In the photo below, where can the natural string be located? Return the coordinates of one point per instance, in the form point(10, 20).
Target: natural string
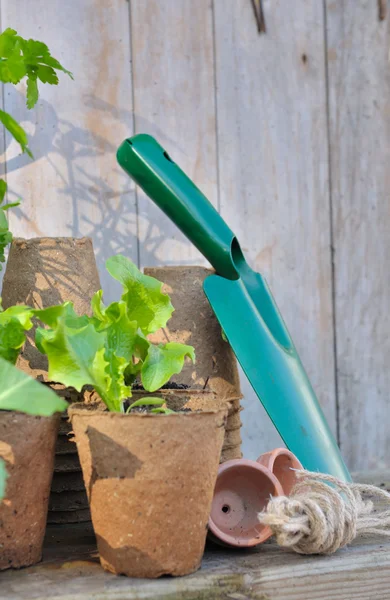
point(318, 518)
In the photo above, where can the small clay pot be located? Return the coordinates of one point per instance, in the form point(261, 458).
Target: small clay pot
point(243, 489)
point(281, 462)
point(150, 482)
point(27, 447)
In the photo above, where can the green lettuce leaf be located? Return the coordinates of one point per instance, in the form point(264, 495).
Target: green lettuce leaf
point(79, 355)
point(22, 393)
point(13, 323)
point(162, 362)
point(146, 304)
point(3, 478)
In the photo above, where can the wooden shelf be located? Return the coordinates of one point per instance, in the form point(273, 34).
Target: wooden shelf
point(71, 571)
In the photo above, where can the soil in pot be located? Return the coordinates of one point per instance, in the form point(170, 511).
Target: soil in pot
point(27, 447)
point(150, 481)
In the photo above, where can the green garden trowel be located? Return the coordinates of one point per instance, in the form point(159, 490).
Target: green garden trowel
point(244, 307)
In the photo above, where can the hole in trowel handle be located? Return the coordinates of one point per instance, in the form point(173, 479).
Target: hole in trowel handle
point(238, 257)
point(167, 156)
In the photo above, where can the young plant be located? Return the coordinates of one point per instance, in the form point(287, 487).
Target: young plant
point(22, 59)
point(14, 322)
point(157, 403)
point(111, 349)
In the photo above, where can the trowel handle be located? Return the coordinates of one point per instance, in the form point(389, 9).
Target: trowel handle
point(165, 183)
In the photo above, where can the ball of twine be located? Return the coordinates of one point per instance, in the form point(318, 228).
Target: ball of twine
point(323, 514)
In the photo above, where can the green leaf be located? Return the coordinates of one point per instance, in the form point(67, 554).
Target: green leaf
point(9, 205)
point(3, 189)
point(142, 294)
point(116, 389)
point(3, 478)
point(16, 131)
point(22, 393)
point(146, 402)
point(79, 355)
point(161, 409)
point(32, 92)
point(162, 362)
point(13, 323)
point(71, 353)
point(23, 314)
point(12, 338)
point(8, 41)
point(47, 75)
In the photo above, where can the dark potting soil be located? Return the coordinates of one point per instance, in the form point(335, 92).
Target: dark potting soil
point(147, 409)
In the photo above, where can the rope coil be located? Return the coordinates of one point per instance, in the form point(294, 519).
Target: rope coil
point(318, 518)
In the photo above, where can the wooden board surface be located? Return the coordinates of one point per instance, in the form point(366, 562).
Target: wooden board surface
point(173, 82)
point(74, 187)
point(71, 571)
point(359, 92)
point(273, 172)
point(246, 116)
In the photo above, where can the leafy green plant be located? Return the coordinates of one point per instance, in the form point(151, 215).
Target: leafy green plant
point(111, 349)
point(14, 322)
point(21, 393)
point(157, 403)
point(22, 59)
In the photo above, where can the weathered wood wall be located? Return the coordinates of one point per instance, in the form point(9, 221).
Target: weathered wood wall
point(287, 133)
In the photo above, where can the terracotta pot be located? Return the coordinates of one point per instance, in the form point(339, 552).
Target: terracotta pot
point(281, 462)
point(150, 481)
point(242, 490)
point(27, 447)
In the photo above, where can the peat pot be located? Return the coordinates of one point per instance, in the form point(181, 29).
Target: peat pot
point(27, 447)
point(150, 482)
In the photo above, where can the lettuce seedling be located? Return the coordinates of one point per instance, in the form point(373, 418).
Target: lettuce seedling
point(111, 349)
point(14, 322)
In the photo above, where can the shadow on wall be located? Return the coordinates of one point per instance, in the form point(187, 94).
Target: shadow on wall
point(103, 202)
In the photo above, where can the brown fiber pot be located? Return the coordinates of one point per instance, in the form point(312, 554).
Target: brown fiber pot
point(27, 447)
point(150, 481)
point(42, 272)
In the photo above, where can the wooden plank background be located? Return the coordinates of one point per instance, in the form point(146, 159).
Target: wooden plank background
point(287, 133)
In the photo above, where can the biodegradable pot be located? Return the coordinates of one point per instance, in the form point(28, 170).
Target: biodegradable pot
point(42, 272)
point(194, 322)
point(68, 500)
point(242, 490)
point(281, 462)
point(203, 400)
point(150, 481)
point(27, 447)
